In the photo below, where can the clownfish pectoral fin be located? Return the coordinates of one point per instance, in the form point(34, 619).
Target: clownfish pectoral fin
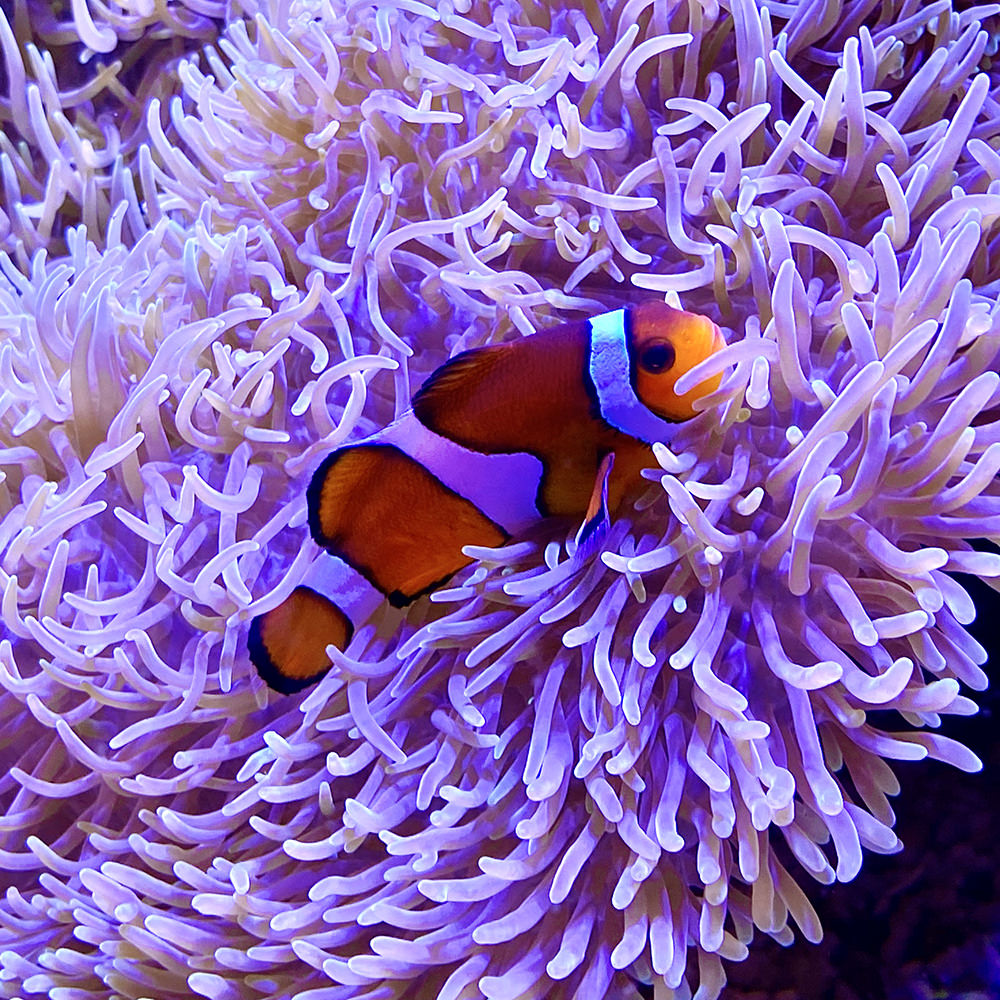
point(597, 520)
point(288, 643)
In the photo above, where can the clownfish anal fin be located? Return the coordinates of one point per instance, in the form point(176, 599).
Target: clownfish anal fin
point(395, 522)
point(288, 643)
point(597, 518)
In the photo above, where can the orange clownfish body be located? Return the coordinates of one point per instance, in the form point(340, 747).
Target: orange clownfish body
point(558, 423)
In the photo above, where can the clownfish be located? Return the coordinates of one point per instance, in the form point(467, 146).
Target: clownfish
point(558, 423)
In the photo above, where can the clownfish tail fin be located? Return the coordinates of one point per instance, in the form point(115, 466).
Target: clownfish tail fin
point(597, 519)
point(288, 643)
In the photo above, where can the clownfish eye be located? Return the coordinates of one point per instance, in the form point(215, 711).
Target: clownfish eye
point(657, 356)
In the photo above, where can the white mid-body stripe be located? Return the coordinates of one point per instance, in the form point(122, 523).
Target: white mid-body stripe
point(610, 371)
point(503, 487)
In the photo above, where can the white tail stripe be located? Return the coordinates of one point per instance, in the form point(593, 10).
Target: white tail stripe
point(345, 586)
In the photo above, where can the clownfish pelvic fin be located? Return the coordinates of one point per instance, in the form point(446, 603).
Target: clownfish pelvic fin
point(597, 519)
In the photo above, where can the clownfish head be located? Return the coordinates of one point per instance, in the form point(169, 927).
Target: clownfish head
point(663, 344)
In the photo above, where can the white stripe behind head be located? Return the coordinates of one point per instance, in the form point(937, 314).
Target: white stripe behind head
point(610, 371)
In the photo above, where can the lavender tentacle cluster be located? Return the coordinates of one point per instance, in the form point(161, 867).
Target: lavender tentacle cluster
point(545, 781)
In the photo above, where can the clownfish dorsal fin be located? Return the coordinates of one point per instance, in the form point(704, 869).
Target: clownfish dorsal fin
point(463, 399)
point(597, 519)
point(528, 395)
point(288, 643)
point(450, 384)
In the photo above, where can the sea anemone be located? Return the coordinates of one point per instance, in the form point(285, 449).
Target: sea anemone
point(545, 781)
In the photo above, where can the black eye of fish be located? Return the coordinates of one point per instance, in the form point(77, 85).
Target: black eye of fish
point(656, 357)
